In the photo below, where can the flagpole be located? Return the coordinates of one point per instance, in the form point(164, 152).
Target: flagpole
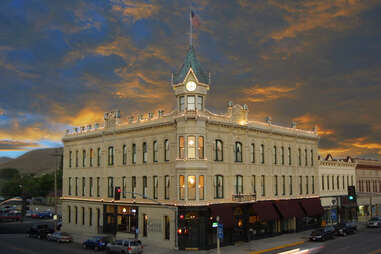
point(190, 23)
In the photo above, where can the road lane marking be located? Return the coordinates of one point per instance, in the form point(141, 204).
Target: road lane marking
point(375, 251)
point(278, 247)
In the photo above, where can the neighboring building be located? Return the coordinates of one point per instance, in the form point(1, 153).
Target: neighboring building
point(368, 175)
point(180, 170)
point(334, 177)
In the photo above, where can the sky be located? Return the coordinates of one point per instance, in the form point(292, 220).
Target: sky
point(317, 62)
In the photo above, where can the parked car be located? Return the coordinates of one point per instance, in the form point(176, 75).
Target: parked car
point(374, 222)
point(59, 237)
point(125, 246)
point(10, 216)
point(40, 231)
point(96, 242)
point(323, 234)
point(45, 215)
point(346, 228)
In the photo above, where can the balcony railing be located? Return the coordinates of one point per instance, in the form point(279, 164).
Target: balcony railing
point(244, 197)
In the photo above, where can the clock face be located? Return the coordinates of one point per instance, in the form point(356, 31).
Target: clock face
point(191, 86)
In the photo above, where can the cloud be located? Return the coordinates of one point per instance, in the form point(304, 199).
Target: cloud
point(14, 145)
point(259, 93)
point(135, 9)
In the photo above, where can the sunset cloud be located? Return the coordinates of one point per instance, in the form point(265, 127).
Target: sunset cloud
point(13, 145)
point(259, 93)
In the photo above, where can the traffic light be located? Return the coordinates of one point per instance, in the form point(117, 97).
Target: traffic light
point(351, 193)
point(117, 193)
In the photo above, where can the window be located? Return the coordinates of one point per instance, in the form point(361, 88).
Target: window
point(305, 157)
point(275, 155)
point(90, 186)
point(282, 154)
point(200, 102)
point(290, 181)
point(289, 156)
point(145, 187)
point(276, 185)
point(83, 215)
point(191, 187)
point(144, 152)
point(166, 187)
point(347, 182)
point(76, 159)
point(90, 216)
point(76, 186)
point(219, 150)
point(124, 187)
point(238, 184)
point(263, 185)
point(191, 103)
point(307, 185)
point(133, 186)
point(83, 158)
point(322, 182)
point(91, 157)
point(70, 158)
point(338, 182)
point(219, 186)
point(182, 103)
point(262, 151)
point(300, 156)
point(201, 186)
point(252, 152)
point(351, 180)
point(201, 147)
point(69, 214)
point(312, 157)
point(333, 182)
point(155, 187)
point(283, 185)
point(313, 184)
point(133, 153)
point(181, 147)
point(300, 185)
point(191, 147)
point(155, 151)
point(182, 187)
point(327, 182)
point(69, 192)
point(124, 160)
point(145, 224)
point(238, 151)
point(166, 150)
point(167, 228)
point(110, 185)
point(98, 186)
point(254, 183)
point(99, 157)
point(110, 155)
point(76, 215)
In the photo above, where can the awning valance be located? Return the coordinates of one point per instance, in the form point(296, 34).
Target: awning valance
point(312, 206)
point(265, 210)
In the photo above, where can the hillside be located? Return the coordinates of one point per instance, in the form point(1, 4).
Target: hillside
point(5, 159)
point(35, 162)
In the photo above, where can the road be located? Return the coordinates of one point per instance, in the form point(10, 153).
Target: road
point(365, 242)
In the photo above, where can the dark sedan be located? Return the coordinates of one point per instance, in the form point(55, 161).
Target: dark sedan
point(346, 228)
point(59, 237)
point(96, 242)
point(323, 234)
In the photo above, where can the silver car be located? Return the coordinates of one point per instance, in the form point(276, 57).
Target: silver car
point(374, 222)
point(130, 246)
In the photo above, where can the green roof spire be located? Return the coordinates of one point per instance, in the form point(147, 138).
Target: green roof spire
point(191, 62)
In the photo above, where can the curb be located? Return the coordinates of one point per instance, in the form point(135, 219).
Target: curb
point(278, 247)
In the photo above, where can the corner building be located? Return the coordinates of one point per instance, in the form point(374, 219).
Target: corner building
point(177, 171)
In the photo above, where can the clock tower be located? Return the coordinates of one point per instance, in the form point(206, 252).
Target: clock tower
point(190, 84)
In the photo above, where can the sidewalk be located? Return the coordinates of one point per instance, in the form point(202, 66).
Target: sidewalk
point(254, 246)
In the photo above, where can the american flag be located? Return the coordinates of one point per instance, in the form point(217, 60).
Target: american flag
point(195, 20)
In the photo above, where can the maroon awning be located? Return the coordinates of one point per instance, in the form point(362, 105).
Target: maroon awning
point(225, 211)
point(289, 208)
point(312, 206)
point(265, 210)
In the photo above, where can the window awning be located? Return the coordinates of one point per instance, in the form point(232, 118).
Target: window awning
point(265, 210)
point(289, 208)
point(312, 206)
point(225, 211)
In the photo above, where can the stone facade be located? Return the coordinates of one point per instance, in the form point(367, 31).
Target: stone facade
point(188, 157)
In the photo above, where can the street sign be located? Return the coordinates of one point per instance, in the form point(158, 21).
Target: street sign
point(333, 215)
point(220, 231)
point(215, 224)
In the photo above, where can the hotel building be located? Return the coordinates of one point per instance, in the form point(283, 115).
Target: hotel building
point(177, 171)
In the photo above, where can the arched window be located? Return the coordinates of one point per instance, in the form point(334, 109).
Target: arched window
point(262, 154)
point(238, 184)
point(110, 155)
point(83, 158)
point(252, 152)
point(275, 153)
point(238, 151)
point(144, 152)
point(282, 154)
point(312, 157)
point(133, 153)
point(305, 157)
point(91, 157)
point(300, 156)
point(219, 150)
point(219, 186)
point(166, 150)
point(155, 151)
point(124, 154)
point(289, 156)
